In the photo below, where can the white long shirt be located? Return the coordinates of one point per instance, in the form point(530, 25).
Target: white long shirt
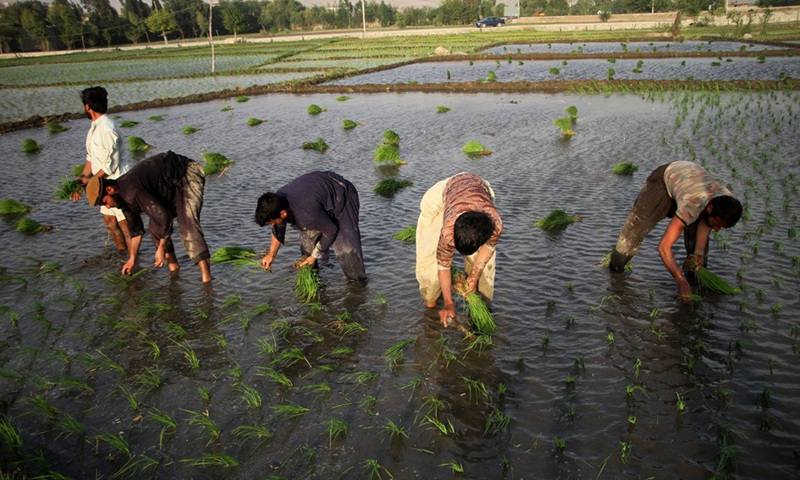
point(104, 148)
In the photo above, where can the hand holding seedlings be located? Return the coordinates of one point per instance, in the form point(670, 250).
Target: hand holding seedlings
point(692, 263)
point(303, 261)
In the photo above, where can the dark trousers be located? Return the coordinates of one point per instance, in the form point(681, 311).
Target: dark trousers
point(652, 205)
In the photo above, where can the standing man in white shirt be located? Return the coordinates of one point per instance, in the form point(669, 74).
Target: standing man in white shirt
point(104, 159)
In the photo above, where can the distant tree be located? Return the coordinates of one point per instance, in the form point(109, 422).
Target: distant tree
point(8, 35)
point(646, 6)
point(233, 18)
point(583, 7)
point(161, 21)
point(67, 18)
point(557, 7)
point(34, 22)
point(387, 14)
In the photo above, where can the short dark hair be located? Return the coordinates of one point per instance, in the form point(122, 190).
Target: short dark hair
point(727, 208)
point(269, 207)
point(96, 98)
point(471, 230)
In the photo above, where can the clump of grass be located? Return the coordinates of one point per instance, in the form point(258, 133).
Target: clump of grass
point(625, 168)
point(482, 320)
point(318, 145)
point(188, 129)
point(56, 127)
point(30, 226)
point(136, 144)
point(157, 118)
point(128, 123)
point(475, 148)
point(315, 109)
point(557, 219)
point(252, 122)
point(237, 256)
point(406, 235)
point(342, 98)
point(306, 284)
point(348, 124)
point(572, 110)
point(216, 163)
point(30, 145)
point(565, 124)
point(9, 206)
point(388, 155)
point(440, 109)
point(242, 99)
point(67, 188)
point(711, 281)
point(389, 186)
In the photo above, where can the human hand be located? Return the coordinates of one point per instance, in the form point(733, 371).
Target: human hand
point(76, 196)
point(471, 285)
point(693, 262)
point(685, 291)
point(447, 312)
point(160, 258)
point(127, 269)
point(266, 261)
point(310, 261)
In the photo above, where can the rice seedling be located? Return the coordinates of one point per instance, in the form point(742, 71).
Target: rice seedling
point(67, 188)
point(53, 127)
point(478, 342)
point(680, 404)
point(557, 219)
point(360, 377)
point(631, 420)
point(252, 122)
point(189, 354)
point(236, 256)
point(713, 282)
point(128, 123)
point(30, 145)
point(572, 111)
point(441, 109)
point(375, 470)
point(9, 206)
point(68, 384)
point(625, 168)
point(318, 145)
point(475, 387)
point(454, 466)
point(491, 76)
point(445, 428)
point(226, 108)
point(10, 436)
point(30, 226)
point(212, 460)
point(104, 361)
point(290, 357)
point(342, 98)
point(249, 395)
point(174, 330)
point(208, 427)
point(117, 442)
point(136, 466)
point(390, 137)
point(406, 235)
point(348, 124)
point(637, 367)
point(136, 144)
point(554, 71)
point(188, 130)
point(246, 432)
point(336, 429)
point(388, 187)
point(565, 125)
point(130, 397)
point(204, 392)
point(242, 99)
point(559, 444)
point(168, 424)
point(496, 422)
point(394, 430)
point(388, 155)
point(286, 411)
point(68, 426)
point(610, 73)
point(394, 355)
point(277, 377)
point(216, 163)
point(307, 283)
point(474, 148)
point(625, 450)
point(315, 109)
point(157, 118)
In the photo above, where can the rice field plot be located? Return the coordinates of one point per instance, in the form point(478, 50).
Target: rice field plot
point(347, 64)
point(618, 47)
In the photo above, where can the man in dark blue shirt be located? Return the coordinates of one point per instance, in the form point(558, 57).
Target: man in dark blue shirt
point(324, 207)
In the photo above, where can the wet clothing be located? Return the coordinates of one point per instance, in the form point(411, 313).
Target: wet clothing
point(680, 189)
point(164, 187)
point(104, 152)
point(441, 205)
point(324, 207)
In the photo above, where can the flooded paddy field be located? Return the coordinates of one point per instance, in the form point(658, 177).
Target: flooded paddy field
point(591, 375)
point(688, 46)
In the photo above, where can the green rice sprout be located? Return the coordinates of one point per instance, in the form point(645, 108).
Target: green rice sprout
point(336, 429)
point(390, 137)
point(204, 393)
point(441, 109)
point(9, 206)
point(117, 442)
point(478, 342)
point(625, 168)
point(606, 261)
point(236, 256)
point(557, 219)
point(208, 427)
point(245, 432)
point(290, 357)
point(137, 144)
point(395, 354)
point(454, 466)
point(361, 377)
point(565, 125)
point(212, 460)
point(286, 411)
point(496, 422)
point(226, 108)
point(475, 148)
point(130, 397)
point(572, 111)
point(491, 76)
point(387, 154)
point(69, 426)
point(252, 122)
point(445, 428)
point(342, 98)
point(406, 235)
point(348, 124)
point(315, 109)
point(388, 187)
point(30, 145)
point(30, 226)
point(168, 424)
point(216, 163)
point(711, 281)
point(554, 71)
point(476, 388)
point(307, 283)
point(67, 188)
point(136, 466)
point(318, 145)
point(242, 99)
point(249, 395)
point(10, 436)
point(55, 127)
point(482, 320)
point(394, 430)
point(189, 354)
point(278, 377)
point(188, 129)
point(375, 470)
point(128, 123)
point(157, 118)
point(150, 379)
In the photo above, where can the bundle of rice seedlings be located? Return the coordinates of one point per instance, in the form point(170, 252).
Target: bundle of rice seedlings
point(406, 235)
point(348, 124)
point(390, 137)
point(226, 108)
point(342, 98)
point(565, 124)
point(158, 118)
point(315, 109)
point(136, 144)
point(475, 148)
point(557, 219)
point(572, 110)
point(606, 261)
point(252, 122)
point(389, 186)
point(482, 320)
point(188, 129)
point(242, 99)
point(216, 163)
point(56, 127)
point(625, 168)
point(318, 145)
point(237, 256)
point(30, 145)
point(30, 226)
point(306, 284)
point(67, 188)
point(9, 206)
point(711, 281)
point(77, 170)
point(388, 155)
point(491, 76)
point(442, 109)
point(128, 123)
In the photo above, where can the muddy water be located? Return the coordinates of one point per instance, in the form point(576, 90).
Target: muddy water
point(77, 342)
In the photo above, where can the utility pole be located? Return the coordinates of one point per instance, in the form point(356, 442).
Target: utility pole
point(363, 20)
point(211, 33)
